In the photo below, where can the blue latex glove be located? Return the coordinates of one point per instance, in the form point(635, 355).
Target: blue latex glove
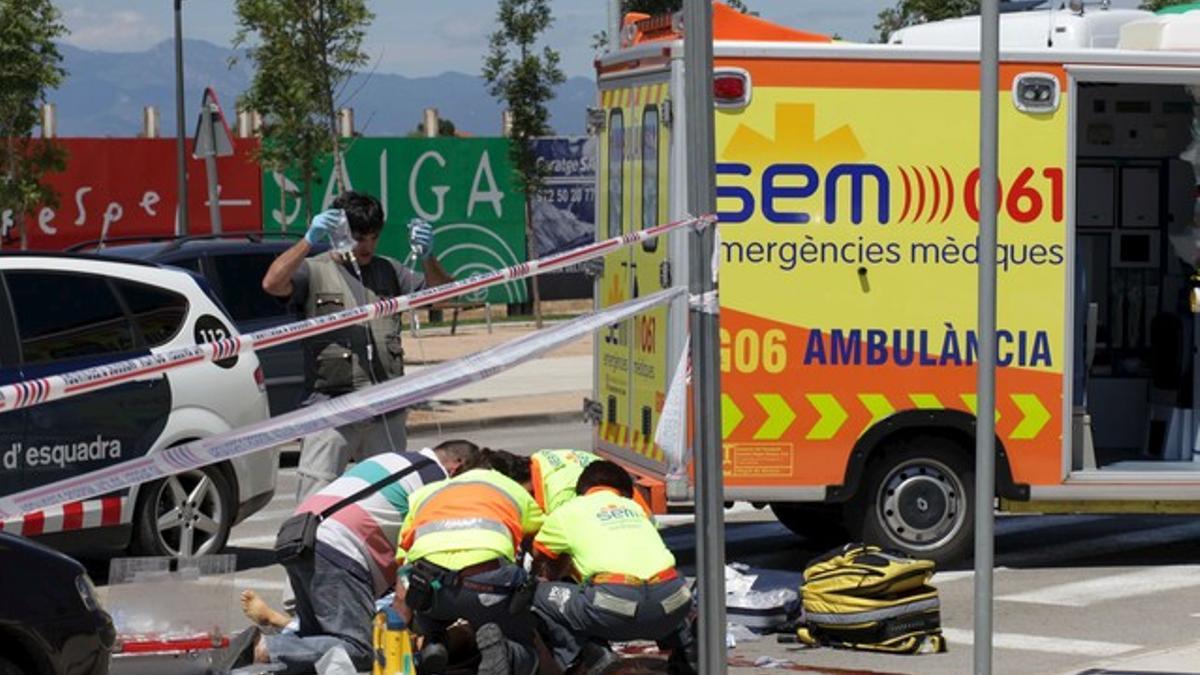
point(420, 238)
point(322, 226)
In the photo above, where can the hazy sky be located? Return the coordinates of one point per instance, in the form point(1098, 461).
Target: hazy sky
point(426, 38)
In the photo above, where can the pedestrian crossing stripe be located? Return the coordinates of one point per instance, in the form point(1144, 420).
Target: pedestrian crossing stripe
point(822, 416)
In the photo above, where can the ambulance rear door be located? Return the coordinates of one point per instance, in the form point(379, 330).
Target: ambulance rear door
point(631, 356)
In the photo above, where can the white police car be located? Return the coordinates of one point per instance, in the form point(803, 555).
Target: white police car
point(60, 313)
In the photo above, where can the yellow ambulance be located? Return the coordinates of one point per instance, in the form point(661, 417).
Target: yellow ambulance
point(848, 185)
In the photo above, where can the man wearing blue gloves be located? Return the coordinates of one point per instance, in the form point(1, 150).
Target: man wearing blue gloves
point(355, 357)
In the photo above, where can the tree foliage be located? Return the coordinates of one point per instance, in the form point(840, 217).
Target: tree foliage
point(1155, 5)
point(304, 52)
point(910, 12)
point(523, 78)
point(445, 128)
point(30, 66)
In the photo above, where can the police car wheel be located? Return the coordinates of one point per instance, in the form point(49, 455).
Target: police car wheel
point(188, 514)
point(919, 497)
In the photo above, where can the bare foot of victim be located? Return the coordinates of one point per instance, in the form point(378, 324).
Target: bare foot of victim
point(257, 610)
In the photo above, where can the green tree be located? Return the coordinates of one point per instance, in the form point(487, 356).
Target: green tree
point(523, 78)
point(304, 52)
point(445, 128)
point(30, 65)
point(1155, 5)
point(910, 12)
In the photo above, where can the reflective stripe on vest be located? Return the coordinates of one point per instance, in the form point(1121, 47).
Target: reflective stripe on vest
point(462, 524)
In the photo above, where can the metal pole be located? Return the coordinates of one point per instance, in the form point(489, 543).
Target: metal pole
point(210, 171)
point(614, 25)
point(706, 392)
point(181, 221)
point(985, 423)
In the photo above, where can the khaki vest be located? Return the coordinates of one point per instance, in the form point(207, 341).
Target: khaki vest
point(339, 358)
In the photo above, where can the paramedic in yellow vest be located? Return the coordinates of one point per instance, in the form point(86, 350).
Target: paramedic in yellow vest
point(625, 585)
point(460, 542)
point(554, 474)
point(357, 356)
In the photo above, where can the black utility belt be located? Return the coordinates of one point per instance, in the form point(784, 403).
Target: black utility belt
point(425, 579)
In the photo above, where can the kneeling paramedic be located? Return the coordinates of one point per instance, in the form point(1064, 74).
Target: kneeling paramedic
point(627, 586)
point(460, 540)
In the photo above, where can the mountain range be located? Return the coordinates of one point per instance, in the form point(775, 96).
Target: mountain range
point(104, 93)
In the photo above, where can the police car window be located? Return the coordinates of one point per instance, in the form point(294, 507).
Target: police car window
point(616, 171)
point(62, 316)
point(650, 172)
point(239, 281)
point(157, 312)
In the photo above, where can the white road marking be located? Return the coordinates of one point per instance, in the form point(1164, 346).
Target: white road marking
point(1112, 587)
point(268, 515)
point(252, 542)
point(954, 575)
point(1038, 643)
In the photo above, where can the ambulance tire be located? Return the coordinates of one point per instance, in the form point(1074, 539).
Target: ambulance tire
point(202, 497)
point(816, 523)
point(918, 497)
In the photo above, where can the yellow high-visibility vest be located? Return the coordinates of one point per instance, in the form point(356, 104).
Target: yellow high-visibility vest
point(476, 516)
point(605, 532)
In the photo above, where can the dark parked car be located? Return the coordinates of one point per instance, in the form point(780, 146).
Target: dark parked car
point(51, 622)
point(234, 265)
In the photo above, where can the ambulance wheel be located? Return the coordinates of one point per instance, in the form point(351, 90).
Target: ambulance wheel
point(185, 515)
point(918, 497)
point(817, 523)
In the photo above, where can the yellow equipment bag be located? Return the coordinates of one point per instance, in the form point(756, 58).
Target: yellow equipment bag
point(861, 597)
point(393, 645)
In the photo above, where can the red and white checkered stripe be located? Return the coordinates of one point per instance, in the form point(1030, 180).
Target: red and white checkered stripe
point(103, 512)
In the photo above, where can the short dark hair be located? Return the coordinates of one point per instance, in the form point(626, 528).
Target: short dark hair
point(364, 212)
point(461, 449)
point(605, 474)
point(515, 467)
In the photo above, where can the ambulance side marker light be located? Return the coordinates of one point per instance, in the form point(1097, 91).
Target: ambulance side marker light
point(731, 88)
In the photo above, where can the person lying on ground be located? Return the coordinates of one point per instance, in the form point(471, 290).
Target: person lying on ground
point(624, 585)
point(354, 561)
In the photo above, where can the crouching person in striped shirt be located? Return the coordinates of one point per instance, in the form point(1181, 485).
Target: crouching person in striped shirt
point(355, 559)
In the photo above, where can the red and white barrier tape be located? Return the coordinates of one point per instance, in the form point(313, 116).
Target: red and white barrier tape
point(41, 390)
point(360, 405)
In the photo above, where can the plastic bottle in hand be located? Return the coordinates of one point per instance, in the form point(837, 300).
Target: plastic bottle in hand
point(340, 238)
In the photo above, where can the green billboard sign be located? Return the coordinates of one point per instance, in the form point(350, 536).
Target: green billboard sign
point(463, 187)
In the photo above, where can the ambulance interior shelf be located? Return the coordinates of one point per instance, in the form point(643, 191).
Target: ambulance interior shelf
point(1135, 218)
